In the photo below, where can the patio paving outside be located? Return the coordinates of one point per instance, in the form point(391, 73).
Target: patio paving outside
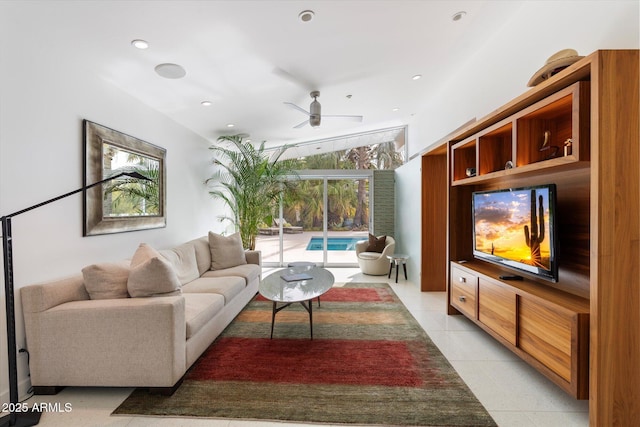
point(295, 248)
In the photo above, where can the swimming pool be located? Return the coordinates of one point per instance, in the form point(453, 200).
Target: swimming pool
point(334, 243)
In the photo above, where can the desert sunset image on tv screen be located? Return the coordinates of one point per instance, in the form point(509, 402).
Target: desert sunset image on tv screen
point(514, 225)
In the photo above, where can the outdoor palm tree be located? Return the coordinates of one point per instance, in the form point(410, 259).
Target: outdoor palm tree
point(361, 158)
point(250, 182)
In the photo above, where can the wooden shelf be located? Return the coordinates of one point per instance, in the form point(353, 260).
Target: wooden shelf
point(551, 133)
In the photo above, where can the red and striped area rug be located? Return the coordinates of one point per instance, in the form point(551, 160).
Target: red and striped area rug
point(369, 363)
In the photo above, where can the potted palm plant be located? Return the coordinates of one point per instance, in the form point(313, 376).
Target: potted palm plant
point(250, 181)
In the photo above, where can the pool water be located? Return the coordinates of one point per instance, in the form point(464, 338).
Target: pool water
point(334, 243)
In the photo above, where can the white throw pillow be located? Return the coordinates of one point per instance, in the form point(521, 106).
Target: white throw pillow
point(226, 251)
point(106, 280)
point(153, 278)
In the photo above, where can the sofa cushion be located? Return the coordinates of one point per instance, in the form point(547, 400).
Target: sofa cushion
point(183, 260)
point(228, 287)
point(106, 280)
point(376, 244)
point(226, 251)
point(153, 278)
point(248, 271)
point(369, 255)
point(203, 253)
point(199, 309)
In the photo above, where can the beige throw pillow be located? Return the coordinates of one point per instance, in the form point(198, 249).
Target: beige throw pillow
point(106, 280)
point(142, 254)
point(226, 251)
point(153, 278)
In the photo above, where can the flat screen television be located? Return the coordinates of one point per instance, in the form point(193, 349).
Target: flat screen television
point(516, 228)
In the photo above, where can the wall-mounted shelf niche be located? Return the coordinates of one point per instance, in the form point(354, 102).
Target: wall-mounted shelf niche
point(516, 145)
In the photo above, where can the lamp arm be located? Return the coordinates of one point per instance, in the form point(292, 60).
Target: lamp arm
point(135, 175)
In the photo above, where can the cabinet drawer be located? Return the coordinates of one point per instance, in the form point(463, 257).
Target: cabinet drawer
point(545, 333)
point(497, 309)
point(463, 291)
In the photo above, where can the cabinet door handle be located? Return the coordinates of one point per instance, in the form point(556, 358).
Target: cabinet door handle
point(462, 279)
point(462, 298)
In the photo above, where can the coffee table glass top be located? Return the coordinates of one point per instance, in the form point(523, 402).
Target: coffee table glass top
point(275, 288)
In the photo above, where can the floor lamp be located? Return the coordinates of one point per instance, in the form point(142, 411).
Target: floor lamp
point(30, 418)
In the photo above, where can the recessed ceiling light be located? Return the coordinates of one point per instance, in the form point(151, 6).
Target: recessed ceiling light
point(230, 125)
point(139, 44)
point(170, 71)
point(417, 77)
point(458, 15)
point(206, 103)
point(395, 109)
point(306, 15)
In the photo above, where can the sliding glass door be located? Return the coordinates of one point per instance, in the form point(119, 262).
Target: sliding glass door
point(319, 219)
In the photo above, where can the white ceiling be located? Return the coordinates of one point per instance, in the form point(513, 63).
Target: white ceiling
point(249, 57)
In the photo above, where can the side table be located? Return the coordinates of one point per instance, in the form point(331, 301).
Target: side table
point(396, 260)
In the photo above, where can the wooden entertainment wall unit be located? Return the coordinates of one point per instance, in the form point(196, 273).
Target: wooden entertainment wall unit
point(583, 331)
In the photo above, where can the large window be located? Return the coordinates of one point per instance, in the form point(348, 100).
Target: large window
point(320, 219)
point(328, 207)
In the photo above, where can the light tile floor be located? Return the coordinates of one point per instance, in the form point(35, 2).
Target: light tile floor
point(514, 393)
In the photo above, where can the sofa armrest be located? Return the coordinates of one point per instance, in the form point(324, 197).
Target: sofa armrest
point(43, 296)
point(115, 342)
point(389, 249)
point(254, 257)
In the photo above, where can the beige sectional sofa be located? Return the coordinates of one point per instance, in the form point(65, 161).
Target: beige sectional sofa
point(81, 335)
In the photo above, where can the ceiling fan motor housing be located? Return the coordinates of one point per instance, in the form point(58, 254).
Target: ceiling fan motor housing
point(314, 111)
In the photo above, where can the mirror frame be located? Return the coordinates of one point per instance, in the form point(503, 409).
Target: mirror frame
point(95, 223)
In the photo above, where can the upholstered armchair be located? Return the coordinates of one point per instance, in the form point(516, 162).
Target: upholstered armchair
point(375, 263)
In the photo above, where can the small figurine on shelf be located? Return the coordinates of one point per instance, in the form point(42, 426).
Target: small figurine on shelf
point(567, 147)
point(553, 150)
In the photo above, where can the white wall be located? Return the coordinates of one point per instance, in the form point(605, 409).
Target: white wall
point(500, 72)
point(42, 104)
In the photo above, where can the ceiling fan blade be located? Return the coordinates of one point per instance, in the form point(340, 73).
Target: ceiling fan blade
point(352, 118)
point(295, 107)
point(301, 124)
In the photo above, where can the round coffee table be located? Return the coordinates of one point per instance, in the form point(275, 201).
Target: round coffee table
point(295, 284)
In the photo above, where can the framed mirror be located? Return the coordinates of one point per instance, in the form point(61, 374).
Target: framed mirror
point(123, 204)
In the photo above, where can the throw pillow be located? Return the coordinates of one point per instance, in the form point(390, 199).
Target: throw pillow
point(375, 244)
point(153, 278)
point(106, 280)
point(142, 254)
point(226, 251)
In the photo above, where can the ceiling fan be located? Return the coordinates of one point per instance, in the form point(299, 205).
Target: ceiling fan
point(314, 112)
